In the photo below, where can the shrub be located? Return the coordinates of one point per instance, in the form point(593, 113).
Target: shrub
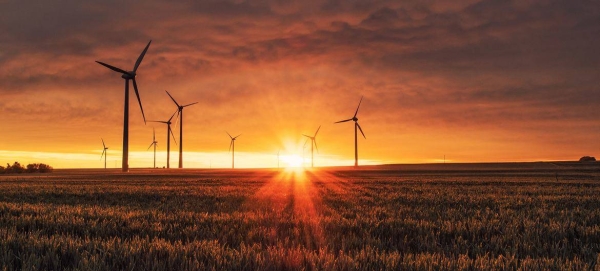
point(587, 159)
point(15, 168)
point(31, 168)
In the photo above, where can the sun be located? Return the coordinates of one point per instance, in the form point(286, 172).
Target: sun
point(292, 161)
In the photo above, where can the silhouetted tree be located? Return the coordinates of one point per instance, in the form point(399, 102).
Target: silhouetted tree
point(587, 159)
point(15, 168)
point(31, 168)
point(43, 168)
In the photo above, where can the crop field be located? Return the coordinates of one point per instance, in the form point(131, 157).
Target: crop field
point(492, 217)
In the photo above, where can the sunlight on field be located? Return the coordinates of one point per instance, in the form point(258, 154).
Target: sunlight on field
point(302, 220)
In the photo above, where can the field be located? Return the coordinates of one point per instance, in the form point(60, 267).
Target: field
point(526, 216)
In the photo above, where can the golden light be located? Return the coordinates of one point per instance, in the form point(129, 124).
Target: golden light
point(292, 161)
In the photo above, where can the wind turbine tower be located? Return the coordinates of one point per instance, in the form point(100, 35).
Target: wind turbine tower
point(169, 131)
point(232, 148)
point(313, 142)
point(103, 153)
point(154, 142)
point(128, 75)
point(356, 126)
point(180, 115)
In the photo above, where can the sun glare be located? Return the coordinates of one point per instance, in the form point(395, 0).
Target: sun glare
point(292, 161)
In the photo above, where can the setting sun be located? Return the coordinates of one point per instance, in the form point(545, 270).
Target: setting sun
point(292, 161)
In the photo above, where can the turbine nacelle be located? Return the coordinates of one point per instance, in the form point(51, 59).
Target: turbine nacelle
point(129, 75)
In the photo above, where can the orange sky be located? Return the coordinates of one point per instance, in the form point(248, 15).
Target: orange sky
point(472, 80)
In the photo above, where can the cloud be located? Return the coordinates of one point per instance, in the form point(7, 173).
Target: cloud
point(527, 67)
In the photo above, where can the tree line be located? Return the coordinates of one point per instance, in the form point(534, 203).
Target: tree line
point(30, 168)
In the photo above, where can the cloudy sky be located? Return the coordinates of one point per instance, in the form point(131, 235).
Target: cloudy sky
point(471, 80)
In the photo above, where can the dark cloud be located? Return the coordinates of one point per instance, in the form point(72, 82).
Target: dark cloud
point(496, 65)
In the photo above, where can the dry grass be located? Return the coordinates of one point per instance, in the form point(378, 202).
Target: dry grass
point(328, 220)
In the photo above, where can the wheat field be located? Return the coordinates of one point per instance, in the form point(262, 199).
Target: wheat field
point(374, 219)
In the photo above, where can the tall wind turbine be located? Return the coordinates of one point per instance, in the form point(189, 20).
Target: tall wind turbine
point(103, 153)
point(313, 140)
point(128, 75)
point(153, 143)
point(356, 125)
point(180, 114)
point(169, 131)
point(232, 148)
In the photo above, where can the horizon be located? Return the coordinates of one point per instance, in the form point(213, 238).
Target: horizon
point(461, 81)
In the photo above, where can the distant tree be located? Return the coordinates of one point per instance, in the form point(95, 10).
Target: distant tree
point(31, 168)
point(15, 168)
point(43, 168)
point(587, 159)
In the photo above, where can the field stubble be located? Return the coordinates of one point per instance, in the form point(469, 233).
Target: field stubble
point(322, 220)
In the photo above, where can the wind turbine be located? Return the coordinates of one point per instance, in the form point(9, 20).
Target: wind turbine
point(153, 143)
point(356, 125)
point(232, 148)
point(313, 140)
point(180, 115)
point(169, 131)
point(128, 75)
point(103, 153)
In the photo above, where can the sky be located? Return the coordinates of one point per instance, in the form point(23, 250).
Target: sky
point(468, 80)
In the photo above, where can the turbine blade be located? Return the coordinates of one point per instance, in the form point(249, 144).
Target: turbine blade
point(171, 130)
point(237, 136)
point(150, 145)
point(361, 97)
point(111, 67)
point(229, 135)
point(303, 146)
point(230, 144)
point(172, 98)
point(315, 141)
point(103, 143)
point(317, 131)
point(101, 155)
point(139, 60)
point(342, 121)
point(177, 118)
point(173, 115)
point(306, 135)
point(361, 131)
point(138, 97)
point(158, 121)
point(190, 104)
point(153, 134)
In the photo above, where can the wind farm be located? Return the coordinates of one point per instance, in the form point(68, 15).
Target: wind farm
point(482, 122)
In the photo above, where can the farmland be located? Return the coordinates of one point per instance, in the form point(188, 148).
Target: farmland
point(423, 217)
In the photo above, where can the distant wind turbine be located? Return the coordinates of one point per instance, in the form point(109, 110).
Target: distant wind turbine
point(356, 125)
point(154, 142)
point(169, 131)
point(232, 148)
point(103, 153)
point(313, 140)
point(180, 115)
point(128, 75)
